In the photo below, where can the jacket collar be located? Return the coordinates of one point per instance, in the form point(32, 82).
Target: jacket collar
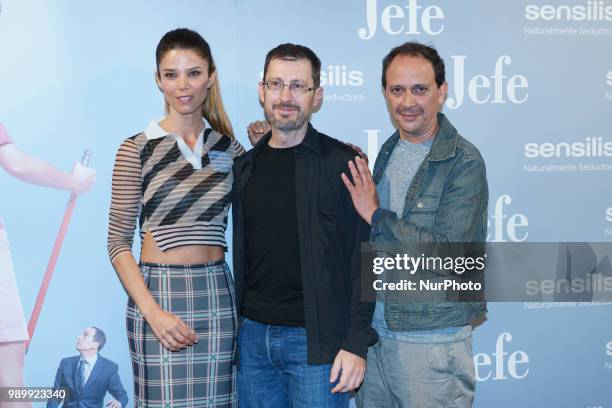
point(95, 373)
point(311, 141)
point(444, 145)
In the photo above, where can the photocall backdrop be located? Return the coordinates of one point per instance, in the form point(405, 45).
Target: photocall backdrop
point(530, 84)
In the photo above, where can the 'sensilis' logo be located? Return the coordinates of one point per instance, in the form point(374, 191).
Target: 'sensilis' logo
point(589, 11)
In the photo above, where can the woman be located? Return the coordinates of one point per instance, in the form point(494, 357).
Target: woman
point(13, 331)
point(176, 179)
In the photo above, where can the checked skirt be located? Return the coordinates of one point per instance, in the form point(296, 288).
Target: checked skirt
point(203, 375)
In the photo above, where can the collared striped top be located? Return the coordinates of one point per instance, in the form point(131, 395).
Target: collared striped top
point(180, 200)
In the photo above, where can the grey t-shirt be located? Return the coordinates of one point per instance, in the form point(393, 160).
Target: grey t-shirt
point(392, 188)
point(403, 165)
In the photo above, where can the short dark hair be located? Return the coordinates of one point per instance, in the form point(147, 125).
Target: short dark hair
point(293, 52)
point(99, 337)
point(416, 49)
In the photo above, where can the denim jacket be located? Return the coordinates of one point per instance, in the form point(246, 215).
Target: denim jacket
point(445, 203)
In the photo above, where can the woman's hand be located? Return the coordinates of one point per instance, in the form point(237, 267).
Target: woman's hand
point(170, 330)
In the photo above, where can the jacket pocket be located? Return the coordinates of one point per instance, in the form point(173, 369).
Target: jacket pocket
point(327, 211)
point(423, 211)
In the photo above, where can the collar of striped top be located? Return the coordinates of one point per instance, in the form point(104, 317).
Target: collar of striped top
point(155, 131)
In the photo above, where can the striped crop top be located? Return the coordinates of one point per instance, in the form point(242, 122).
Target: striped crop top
point(179, 198)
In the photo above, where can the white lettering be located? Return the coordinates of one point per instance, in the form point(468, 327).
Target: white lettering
point(372, 146)
point(432, 13)
point(531, 12)
point(517, 221)
point(391, 18)
point(531, 150)
point(392, 12)
point(458, 82)
point(479, 81)
point(591, 11)
point(483, 362)
point(339, 75)
point(591, 147)
point(514, 83)
point(479, 86)
point(377, 268)
point(516, 358)
point(510, 229)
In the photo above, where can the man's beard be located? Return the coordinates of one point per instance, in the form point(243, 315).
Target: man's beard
point(286, 124)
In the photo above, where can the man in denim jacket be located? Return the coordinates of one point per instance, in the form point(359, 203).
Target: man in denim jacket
point(429, 189)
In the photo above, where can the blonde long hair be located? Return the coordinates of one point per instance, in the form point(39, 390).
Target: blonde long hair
point(186, 39)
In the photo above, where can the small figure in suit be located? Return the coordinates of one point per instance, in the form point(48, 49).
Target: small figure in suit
point(88, 376)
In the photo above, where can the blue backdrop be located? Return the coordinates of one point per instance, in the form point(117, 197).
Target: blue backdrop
point(530, 83)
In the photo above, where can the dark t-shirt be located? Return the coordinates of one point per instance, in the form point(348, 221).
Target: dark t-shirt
point(273, 292)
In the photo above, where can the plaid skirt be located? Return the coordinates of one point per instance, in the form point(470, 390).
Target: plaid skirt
point(204, 374)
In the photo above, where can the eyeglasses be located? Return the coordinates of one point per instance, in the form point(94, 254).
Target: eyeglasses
point(296, 88)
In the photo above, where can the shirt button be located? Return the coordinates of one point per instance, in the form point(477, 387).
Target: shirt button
point(420, 204)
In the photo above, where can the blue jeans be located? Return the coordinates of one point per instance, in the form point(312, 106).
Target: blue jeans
point(274, 371)
point(420, 374)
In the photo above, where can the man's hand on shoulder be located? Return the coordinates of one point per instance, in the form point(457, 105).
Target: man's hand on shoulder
point(362, 189)
point(358, 150)
point(256, 130)
point(350, 368)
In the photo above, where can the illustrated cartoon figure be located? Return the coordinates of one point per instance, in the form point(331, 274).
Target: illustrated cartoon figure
point(13, 333)
point(88, 376)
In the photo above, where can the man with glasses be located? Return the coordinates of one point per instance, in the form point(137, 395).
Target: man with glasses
point(304, 333)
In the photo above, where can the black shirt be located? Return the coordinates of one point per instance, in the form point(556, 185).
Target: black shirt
point(330, 233)
point(273, 292)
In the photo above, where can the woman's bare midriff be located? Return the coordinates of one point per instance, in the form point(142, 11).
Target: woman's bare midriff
point(184, 255)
